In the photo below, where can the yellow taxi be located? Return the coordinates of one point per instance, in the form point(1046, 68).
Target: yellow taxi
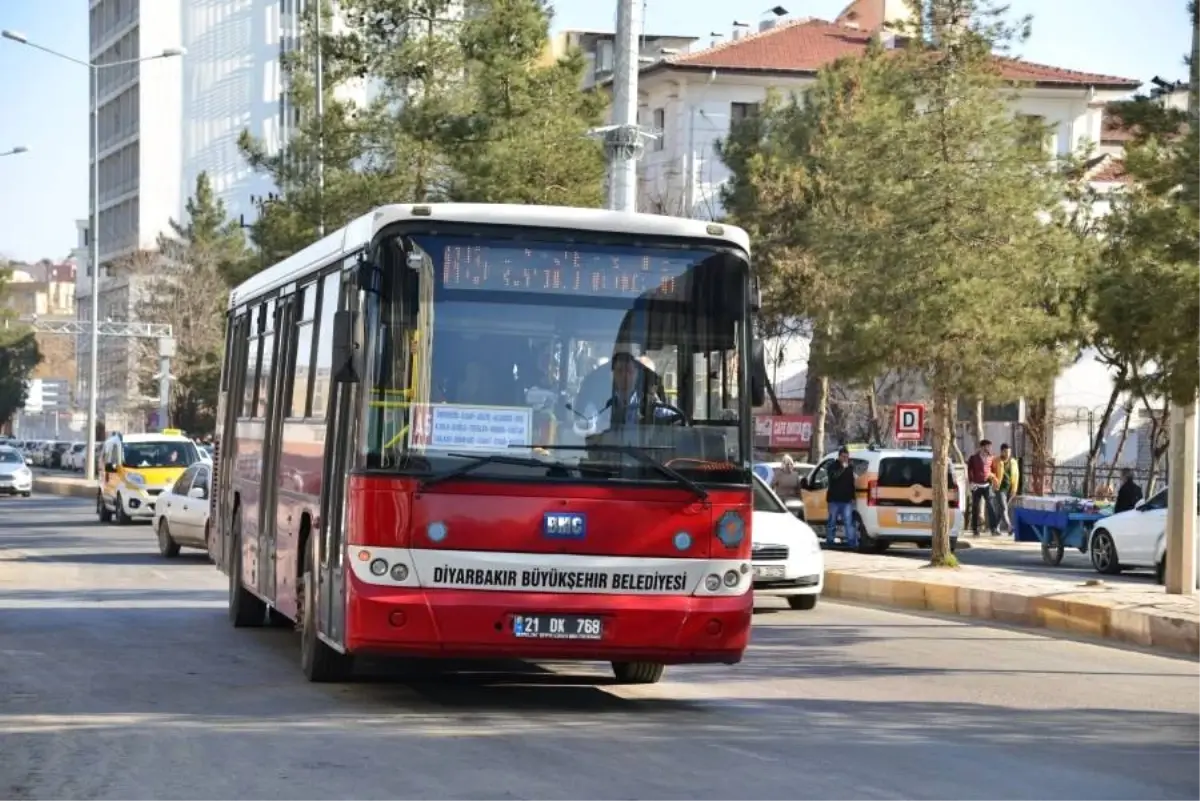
point(136, 468)
point(894, 497)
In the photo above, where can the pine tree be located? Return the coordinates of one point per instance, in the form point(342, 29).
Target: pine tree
point(185, 284)
point(947, 226)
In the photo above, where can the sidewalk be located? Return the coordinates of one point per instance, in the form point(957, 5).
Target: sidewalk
point(1140, 614)
point(69, 486)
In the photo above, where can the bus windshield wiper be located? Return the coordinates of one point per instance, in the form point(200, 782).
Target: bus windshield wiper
point(642, 455)
point(479, 460)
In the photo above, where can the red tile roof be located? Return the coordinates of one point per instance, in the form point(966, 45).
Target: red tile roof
point(1109, 170)
point(806, 45)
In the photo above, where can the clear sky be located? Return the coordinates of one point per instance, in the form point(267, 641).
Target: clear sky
point(43, 100)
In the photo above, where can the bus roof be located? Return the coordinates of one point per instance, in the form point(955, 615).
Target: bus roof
point(358, 233)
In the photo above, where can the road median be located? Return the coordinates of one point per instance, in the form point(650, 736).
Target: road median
point(66, 486)
point(1136, 614)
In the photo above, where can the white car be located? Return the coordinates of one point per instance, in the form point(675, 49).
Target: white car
point(15, 476)
point(1133, 539)
point(785, 552)
point(181, 511)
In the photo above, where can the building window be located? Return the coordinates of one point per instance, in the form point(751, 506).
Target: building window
point(739, 112)
point(659, 124)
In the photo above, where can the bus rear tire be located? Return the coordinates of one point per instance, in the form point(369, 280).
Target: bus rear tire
point(246, 610)
point(319, 662)
point(638, 672)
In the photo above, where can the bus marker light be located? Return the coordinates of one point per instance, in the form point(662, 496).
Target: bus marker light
point(379, 567)
point(712, 582)
point(436, 531)
point(683, 541)
point(364, 556)
point(732, 577)
point(399, 571)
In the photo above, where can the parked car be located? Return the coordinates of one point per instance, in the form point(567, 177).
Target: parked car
point(15, 476)
point(181, 511)
point(1134, 539)
point(73, 458)
point(785, 555)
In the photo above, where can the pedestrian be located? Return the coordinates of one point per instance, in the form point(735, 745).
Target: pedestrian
point(981, 478)
point(839, 499)
point(786, 481)
point(1129, 494)
point(1008, 478)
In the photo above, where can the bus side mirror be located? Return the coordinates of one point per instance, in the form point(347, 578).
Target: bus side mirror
point(758, 373)
point(347, 348)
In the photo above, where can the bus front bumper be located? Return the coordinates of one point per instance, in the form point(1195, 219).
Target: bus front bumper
point(479, 624)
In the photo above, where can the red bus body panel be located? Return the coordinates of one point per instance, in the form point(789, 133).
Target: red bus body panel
point(507, 519)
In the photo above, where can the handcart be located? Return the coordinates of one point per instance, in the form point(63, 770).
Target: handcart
point(1056, 530)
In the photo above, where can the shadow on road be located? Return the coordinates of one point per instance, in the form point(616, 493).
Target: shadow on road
point(146, 557)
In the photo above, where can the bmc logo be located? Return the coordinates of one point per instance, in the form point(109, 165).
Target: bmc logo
point(564, 525)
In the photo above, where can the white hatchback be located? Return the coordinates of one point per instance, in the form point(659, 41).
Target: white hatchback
point(1134, 539)
point(786, 554)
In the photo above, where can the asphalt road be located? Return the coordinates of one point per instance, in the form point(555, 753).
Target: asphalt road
point(120, 678)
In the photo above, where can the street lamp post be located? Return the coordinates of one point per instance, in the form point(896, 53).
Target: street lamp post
point(94, 234)
point(19, 149)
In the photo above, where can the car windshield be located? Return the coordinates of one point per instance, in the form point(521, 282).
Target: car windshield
point(765, 500)
point(8, 456)
point(570, 353)
point(159, 454)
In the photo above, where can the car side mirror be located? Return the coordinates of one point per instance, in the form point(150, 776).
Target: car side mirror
point(758, 373)
point(110, 467)
point(347, 348)
point(199, 493)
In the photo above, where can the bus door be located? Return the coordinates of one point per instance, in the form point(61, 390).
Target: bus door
point(276, 390)
point(344, 401)
point(233, 390)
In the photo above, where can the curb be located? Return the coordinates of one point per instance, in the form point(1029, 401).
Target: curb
point(51, 486)
point(1054, 612)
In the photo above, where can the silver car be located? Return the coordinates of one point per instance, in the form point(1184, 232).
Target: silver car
point(15, 475)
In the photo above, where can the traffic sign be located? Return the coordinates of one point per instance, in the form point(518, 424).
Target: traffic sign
point(910, 422)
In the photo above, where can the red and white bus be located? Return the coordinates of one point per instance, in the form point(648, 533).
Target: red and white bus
point(457, 431)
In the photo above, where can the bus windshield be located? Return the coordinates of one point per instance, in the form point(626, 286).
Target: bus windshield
point(587, 357)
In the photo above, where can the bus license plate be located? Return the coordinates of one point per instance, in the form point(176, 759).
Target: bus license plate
point(557, 627)
point(915, 517)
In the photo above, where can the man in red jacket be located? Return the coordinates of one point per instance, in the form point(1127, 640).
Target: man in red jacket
point(980, 478)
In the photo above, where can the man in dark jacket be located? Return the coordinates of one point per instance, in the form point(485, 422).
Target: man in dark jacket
point(839, 498)
point(1129, 493)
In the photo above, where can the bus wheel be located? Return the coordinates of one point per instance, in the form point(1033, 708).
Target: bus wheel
point(246, 610)
point(637, 672)
point(319, 662)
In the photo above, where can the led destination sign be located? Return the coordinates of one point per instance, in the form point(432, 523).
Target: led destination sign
point(565, 272)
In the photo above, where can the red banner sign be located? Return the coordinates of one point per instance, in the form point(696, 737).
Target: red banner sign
point(785, 430)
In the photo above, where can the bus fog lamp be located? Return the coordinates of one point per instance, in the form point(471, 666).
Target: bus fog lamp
point(379, 567)
point(683, 541)
point(732, 577)
point(712, 582)
point(399, 572)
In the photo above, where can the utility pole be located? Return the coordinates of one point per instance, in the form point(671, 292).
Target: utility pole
point(1181, 491)
point(623, 140)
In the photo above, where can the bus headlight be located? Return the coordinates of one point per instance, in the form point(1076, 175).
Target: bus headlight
point(712, 582)
point(399, 571)
point(379, 567)
point(732, 577)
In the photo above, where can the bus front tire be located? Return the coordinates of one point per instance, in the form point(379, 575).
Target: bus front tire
point(638, 672)
point(319, 662)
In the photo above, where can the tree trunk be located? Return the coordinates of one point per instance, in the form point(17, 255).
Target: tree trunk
point(941, 418)
point(1099, 435)
point(978, 422)
point(1112, 468)
point(1037, 451)
point(822, 411)
point(874, 435)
